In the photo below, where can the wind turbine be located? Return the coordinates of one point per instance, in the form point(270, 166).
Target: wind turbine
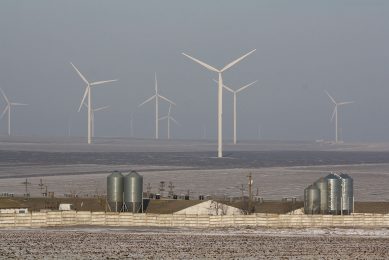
point(8, 108)
point(220, 96)
point(169, 118)
point(157, 96)
point(235, 92)
point(335, 113)
point(88, 93)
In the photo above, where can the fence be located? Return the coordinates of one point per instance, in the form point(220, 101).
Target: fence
point(72, 218)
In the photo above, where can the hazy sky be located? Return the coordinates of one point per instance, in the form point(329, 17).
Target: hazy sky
point(303, 47)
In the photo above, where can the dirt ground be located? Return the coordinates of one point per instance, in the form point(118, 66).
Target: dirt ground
point(138, 243)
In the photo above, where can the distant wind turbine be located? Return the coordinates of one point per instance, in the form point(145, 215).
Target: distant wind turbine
point(220, 95)
point(8, 108)
point(157, 96)
point(335, 113)
point(235, 92)
point(131, 125)
point(93, 116)
point(88, 93)
point(169, 118)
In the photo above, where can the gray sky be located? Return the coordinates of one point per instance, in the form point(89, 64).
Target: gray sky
point(303, 47)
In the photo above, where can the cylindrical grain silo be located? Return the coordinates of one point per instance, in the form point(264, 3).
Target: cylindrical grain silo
point(133, 192)
point(347, 194)
point(322, 184)
point(334, 193)
point(312, 200)
point(115, 191)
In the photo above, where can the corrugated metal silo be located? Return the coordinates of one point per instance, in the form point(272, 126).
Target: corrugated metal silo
point(334, 184)
point(322, 185)
point(347, 194)
point(115, 191)
point(312, 200)
point(133, 191)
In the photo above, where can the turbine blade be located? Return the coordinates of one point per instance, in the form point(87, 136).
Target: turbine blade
point(224, 86)
point(328, 94)
point(175, 121)
point(148, 100)
point(333, 114)
point(244, 87)
point(5, 97)
point(18, 104)
point(100, 108)
point(163, 118)
point(83, 98)
point(5, 111)
point(201, 63)
point(345, 103)
point(166, 99)
point(102, 82)
point(236, 61)
point(79, 74)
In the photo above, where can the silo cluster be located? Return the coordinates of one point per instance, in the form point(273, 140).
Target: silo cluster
point(125, 192)
point(332, 194)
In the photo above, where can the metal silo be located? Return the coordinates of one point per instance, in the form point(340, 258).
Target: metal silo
point(133, 192)
point(115, 191)
point(322, 185)
point(347, 194)
point(334, 185)
point(312, 200)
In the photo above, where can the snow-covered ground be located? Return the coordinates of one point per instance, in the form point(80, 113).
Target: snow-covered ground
point(153, 243)
point(279, 169)
point(370, 181)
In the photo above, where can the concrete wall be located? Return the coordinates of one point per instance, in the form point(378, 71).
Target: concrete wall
point(71, 218)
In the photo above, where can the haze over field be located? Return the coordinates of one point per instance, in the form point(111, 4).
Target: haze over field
point(303, 47)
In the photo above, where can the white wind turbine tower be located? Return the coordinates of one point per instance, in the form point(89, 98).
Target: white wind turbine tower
point(8, 108)
point(220, 96)
point(335, 113)
point(88, 94)
point(235, 92)
point(169, 118)
point(157, 96)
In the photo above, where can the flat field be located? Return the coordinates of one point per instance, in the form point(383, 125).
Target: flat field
point(142, 243)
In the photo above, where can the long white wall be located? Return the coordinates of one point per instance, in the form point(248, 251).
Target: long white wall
point(71, 218)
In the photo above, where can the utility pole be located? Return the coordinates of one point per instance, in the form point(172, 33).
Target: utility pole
point(250, 191)
point(148, 188)
point(242, 190)
point(171, 187)
point(161, 188)
point(26, 183)
point(41, 185)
